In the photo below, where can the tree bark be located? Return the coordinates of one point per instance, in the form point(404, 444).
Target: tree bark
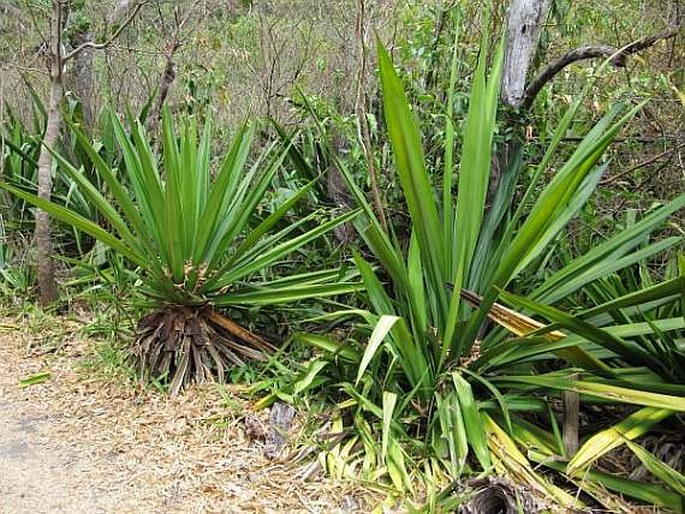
point(122, 8)
point(83, 74)
point(167, 79)
point(524, 23)
point(46, 273)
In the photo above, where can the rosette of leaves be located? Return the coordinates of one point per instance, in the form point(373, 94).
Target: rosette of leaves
point(191, 231)
point(434, 391)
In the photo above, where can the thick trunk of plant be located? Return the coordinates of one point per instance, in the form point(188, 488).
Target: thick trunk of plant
point(185, 344)
point(46, 274)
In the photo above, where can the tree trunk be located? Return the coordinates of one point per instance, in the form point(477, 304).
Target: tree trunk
point(167, 79)
point(82, 79)
point(122, 8)
point(46, 273)
point(524, 22)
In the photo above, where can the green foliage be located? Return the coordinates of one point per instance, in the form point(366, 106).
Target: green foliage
point(421, 382)
point(193, 238)
point(179, 227)
point(422, 385)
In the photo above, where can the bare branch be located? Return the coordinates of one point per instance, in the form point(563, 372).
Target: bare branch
point(362, 122)
point(617, 58)
point(123, 6)
point(643, 164)
point(112, 38)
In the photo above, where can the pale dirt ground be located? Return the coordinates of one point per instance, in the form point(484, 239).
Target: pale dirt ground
point(93, 445)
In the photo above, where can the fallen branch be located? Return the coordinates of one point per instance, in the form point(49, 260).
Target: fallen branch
point(617, 57)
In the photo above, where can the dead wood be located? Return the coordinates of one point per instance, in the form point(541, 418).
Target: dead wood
point(618, 57)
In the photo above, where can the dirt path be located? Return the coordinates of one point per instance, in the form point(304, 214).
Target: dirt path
point(78, 445)
point(40, 474)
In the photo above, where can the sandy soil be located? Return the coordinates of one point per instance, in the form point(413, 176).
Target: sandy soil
point(95, 445)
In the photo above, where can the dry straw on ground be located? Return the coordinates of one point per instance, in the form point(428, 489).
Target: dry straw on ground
point(81, 444)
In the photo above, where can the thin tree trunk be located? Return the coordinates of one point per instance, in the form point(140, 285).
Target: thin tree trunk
point(83, 53)
point(364, 135)
point(46, 274)
point(169, 73)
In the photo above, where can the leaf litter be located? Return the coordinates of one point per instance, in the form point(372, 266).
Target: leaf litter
point(113, 446)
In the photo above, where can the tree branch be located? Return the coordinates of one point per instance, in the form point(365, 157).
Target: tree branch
point(643, 164)
point(617, 57)
point(112, 38)
point(122, 7)
point(169, 73)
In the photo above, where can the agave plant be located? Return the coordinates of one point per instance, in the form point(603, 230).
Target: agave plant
point(189, 232)
point(426, 382)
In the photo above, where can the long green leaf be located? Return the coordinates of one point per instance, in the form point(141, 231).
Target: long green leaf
point(635, 425)
point(472, 421)
point(409, 159)
point(380, 332)
point(83, 224)
point(602, 390)
point(582, 328)
point(660, 470)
